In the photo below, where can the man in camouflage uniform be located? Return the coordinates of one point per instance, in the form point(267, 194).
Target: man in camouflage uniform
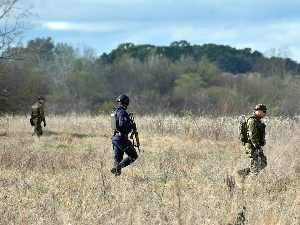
point(38, 116)
point(256, 139)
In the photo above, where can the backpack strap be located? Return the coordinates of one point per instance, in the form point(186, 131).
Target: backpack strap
point(254, 117)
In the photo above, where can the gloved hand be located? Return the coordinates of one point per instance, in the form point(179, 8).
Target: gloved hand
point(133, 126)
point(263, 142)
point(31, 121)
point(44, 120)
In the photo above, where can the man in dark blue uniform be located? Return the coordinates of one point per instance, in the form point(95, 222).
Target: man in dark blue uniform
point(122, 126)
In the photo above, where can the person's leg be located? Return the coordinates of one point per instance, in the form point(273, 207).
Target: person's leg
point(37, 127)
point(132, 155)
point(121, 146)
point(254, 165)
point(118, 155)
point(263, 160)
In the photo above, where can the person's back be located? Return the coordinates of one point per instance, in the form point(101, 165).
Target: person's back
point(36, 109)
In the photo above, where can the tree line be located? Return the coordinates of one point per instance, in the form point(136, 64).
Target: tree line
point(178, 79)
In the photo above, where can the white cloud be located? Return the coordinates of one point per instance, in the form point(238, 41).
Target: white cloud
point(84, 27)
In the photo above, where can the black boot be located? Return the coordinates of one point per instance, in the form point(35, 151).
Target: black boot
point(116, 170)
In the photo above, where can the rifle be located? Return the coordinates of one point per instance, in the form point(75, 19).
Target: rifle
point(134, 132)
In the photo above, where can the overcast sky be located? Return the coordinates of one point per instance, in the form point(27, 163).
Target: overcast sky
point(104, 24)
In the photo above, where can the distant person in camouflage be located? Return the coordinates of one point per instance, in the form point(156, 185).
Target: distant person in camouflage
point(38, 116)
point(256, 139)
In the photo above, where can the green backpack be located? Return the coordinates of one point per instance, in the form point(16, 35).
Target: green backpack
point(243, 136)
point(243, 130)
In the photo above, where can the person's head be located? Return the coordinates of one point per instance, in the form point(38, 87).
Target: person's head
point(123, 100)
point(41, 99)
point(260, 110)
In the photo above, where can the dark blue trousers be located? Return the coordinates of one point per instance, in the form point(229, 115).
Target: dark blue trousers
point(123, 145)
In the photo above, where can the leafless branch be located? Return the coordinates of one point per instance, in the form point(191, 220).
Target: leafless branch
point(12, 18)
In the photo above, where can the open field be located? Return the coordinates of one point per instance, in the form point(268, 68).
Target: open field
point(186, 173)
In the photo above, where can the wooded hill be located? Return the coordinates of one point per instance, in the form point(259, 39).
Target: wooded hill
point(229, 59)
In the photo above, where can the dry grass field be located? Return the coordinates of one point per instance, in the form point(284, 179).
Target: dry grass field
point(186, 173)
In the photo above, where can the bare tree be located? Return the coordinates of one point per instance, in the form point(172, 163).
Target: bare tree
point(276, 65)
point(12, 28)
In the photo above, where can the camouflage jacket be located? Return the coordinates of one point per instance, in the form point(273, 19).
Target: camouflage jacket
point(38, 110)
point(256, 131)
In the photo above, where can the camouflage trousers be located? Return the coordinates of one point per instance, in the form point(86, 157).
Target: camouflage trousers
point(38, 126)
point(258, 160)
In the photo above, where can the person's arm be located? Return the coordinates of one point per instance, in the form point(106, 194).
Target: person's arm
point(253, 132)
point(42, 114)
point(124, 121)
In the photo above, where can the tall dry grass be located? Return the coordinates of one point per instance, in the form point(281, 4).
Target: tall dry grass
point(185, 174)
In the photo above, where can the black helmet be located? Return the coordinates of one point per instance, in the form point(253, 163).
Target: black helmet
point(123, 99)
point(41, 97)
point(260, 107)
